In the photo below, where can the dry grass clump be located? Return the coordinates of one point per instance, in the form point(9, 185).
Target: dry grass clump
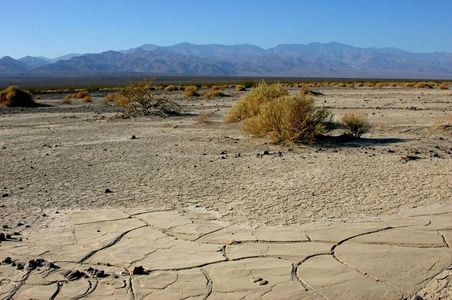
point(443, 86)
point(423, 85)
point(355, 123)
point(240, 88)
point(205, 116)
point(213, 93)
point(13, 96)
point(250, 103)
point(409, 84)
point(289, 119)
point(191, 91)
point(67, 99)
point(443, 122)
point(118, 98)
point(81, 95)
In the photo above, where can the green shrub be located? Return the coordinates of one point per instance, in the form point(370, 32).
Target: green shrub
point(250, 103)
point(13, 96)
point(289, 119)
point(355, 123)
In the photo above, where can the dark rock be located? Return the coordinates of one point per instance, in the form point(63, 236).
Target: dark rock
point(30, 265)
point(8, 236)
point(391, 151)
point(224, 152)
point(133, 137)
point(20, 224)
point(139, 270)
point(5, 226)
point(5, 195)
point(8, 260)
point(16, 233)
point(20, 266)
point(74, 275)
point(2, 236)
point(108, 191)
point(100, 274)
point(266, 152)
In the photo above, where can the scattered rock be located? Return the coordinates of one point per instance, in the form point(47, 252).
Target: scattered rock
point(108, 191)
point(74, 275)
point(5, 195)
point(407, 158)
point(2, 236)
point(133, 137)
point(5, 226)
point(7, 260)
point(31, 265)
point(417, 297)
point(139, 270)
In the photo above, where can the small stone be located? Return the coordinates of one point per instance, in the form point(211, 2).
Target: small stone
point(417, 297)
point(20, 224)
point(8, 260)
point(262, 282)
point(138, 271)
point(2, 236)
point(5, 226)
point(266, 152)
point(31, 265)
point(133, 137)
point(255, 279)
point(5, 195)
point(108, 191)
point(74, 275)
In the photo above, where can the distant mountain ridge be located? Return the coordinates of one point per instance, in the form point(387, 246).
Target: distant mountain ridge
point(286, 60)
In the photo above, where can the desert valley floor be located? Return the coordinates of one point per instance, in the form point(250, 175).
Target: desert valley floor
point(174, 208)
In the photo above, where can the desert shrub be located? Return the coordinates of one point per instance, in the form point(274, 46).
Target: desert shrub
point(423, 85)
point(250, 103)
point(142, 101)
point(13, 96)
point(249, 83)
point(240, 88)
point(81, 95)
point(379, 85)
point(205, 115)
point(443, 122)
point(409, 84)
point(87, 98)
point(191, 91)
point(355, 123)
point(118, 98)
point(67, 99)
point(443, 86)
point(213, 93)
point(170, 88)
point(289, 119)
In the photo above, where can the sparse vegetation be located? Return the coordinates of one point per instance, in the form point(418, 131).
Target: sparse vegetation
point(355, 123)
point(249, 104)
point(213, 93)
point(240, 88)
point(269, 111)
point(191, 91)
point(118, 98)
point(423, 85)
point(443, 122)
point(443, 86)
point(67, 99)
point(205, 115)
point(142, 101)
point(13, 96)
point(289, 119)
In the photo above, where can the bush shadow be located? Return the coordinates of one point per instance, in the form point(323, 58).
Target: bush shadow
point(348, 141)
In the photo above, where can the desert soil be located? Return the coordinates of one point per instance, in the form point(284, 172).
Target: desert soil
point(71, 157)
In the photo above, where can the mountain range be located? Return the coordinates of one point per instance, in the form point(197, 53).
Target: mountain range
point(333, 60)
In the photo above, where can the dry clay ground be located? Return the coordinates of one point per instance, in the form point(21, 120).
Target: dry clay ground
point(75, 157)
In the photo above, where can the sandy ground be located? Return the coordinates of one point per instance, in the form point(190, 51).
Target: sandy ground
point(65, 157)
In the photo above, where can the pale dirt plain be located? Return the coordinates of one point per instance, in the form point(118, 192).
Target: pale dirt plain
point(212, 213)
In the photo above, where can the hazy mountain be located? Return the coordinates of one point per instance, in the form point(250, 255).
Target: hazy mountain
point(297, 60)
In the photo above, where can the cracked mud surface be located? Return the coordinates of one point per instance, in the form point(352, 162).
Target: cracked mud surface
point(188, 218)
point(321, 260)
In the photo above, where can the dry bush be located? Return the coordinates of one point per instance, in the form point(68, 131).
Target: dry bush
point(81, 95)
point(118, 98)
point(170, 88)
point(393, 84)
point(443, 122)
point(249, 103)
point(369, 84)
point(423, 85)
point(87, 98)
point(213, 93)
point(359, 84)
point(443, 86)
point(355, 123)
point(142, 101)
point(191, 91)
point(240, 88)
point(205, 115)
point(379, 85)
point(67, 99)
point(289, 119)
point(409, 84)
point(13, 96)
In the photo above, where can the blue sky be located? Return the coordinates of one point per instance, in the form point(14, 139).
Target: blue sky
point(53, 28)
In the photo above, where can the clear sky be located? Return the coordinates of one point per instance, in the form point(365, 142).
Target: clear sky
point(54, 28)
